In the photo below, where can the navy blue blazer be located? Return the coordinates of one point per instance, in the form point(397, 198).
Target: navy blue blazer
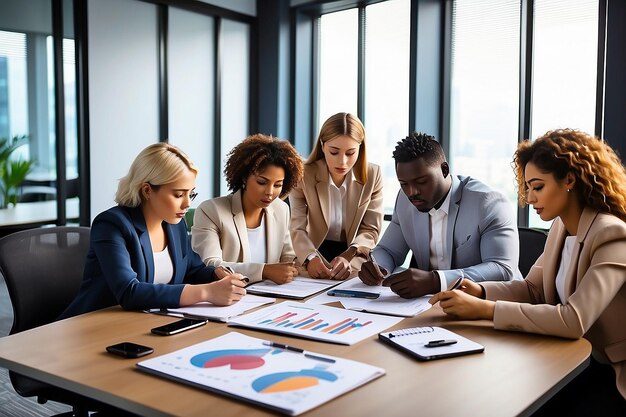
point(120, 265)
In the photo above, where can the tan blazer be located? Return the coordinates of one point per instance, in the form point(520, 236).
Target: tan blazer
point(594, 284)
point(310, 208)
point(220, 236)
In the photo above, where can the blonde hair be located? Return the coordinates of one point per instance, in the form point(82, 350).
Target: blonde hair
point(157, 164)
point(600, 175)
point(343, 124)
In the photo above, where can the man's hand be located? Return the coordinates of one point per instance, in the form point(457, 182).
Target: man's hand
point(413, 283)
point(371, 274)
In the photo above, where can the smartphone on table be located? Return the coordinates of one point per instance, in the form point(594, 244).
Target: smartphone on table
point(129, 350)
point(178, 326)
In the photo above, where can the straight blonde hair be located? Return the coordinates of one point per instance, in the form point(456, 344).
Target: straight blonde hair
point(343, 124)
point(158, 164)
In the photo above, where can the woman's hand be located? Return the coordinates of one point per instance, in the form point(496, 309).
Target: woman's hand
point(226, 291)
point(221, 272)
point(316, 269)
point(461, 304)
point(340, 268)
point(280, 273)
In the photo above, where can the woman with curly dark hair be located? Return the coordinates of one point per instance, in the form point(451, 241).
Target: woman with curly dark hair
point(248, 230)
point(576, 287)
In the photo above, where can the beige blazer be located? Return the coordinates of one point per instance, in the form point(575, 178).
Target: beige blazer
point(594, 283)
point(310, 208)
point(220, 236)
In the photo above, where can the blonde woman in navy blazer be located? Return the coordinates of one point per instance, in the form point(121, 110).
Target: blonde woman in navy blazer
point(338, 164)
point(577, 287)
point(147, 225)
point(259, 171)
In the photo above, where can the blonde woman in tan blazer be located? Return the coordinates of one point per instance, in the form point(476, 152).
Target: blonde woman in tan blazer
point(336, 210)
point(576, 287)
point(248, 230)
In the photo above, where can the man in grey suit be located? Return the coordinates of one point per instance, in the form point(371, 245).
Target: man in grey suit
point(454, 225)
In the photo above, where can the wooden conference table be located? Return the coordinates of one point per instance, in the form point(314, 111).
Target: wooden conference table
point(514, 376)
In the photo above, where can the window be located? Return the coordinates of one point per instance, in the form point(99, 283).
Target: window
point(484, 103)
point(385, 87)
point(564, 69)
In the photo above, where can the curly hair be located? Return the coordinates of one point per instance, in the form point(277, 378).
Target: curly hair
point(343, 124)
point(419, 145)
point(600, 175)
point(255, 153)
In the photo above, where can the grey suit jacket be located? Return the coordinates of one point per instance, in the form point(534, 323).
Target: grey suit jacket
point(594, 286)
point(220, 236)
point(481, 239)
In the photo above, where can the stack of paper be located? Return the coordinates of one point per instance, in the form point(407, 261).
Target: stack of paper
point(297, 289)
point(243, 367)
point(329, 324)
point(387, 302)
point(213, 312)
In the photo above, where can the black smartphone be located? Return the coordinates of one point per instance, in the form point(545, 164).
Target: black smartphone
point(129, 350)
point(178, 326)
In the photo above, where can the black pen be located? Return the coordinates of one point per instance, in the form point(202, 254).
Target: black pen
point(439, 343)
point(298, 350)
point(166, 312)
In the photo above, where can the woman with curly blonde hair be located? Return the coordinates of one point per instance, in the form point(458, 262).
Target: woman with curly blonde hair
point(248, 230)
point(576, 287)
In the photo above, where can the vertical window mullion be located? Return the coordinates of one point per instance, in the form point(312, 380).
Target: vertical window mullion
point(361, 65)
point(525, 91)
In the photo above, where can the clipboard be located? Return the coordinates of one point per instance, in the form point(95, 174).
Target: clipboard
point(428, 343)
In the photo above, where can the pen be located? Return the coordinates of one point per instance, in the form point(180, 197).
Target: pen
point(232, 271)
point(441, 342)
point(298, 350)
point(353, 294)
point(371, 256)
point(166, 312)
point(456, 283)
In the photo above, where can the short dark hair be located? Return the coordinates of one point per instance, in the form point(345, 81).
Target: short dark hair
point(419, 145)
point(255, 153)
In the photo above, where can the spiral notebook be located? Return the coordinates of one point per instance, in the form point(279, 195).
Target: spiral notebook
point(426, 343)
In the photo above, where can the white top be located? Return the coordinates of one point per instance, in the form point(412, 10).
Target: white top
point(439, 255)
point(163, 267)
point(337, 214)
point(566, 260)
point(256, 242)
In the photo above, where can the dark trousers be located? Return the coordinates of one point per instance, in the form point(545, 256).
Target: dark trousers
point(330, 249)
point(592, 393)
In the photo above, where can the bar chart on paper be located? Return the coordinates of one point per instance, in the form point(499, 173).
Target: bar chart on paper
point(316, 322)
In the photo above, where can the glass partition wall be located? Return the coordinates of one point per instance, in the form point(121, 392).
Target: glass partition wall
point(38, 117)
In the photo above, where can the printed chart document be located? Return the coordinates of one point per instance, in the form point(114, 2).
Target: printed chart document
point(426, 343)
point(213, 312)
point(387, 302)
point(318, 322)
point(298, 289)
point(250, 369)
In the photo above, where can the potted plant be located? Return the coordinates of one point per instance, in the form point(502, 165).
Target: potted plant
point(13, 171)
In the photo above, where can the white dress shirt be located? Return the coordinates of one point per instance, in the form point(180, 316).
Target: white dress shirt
point(256, 242)
point(439, 254)
point(163, 268)
point(566, 260)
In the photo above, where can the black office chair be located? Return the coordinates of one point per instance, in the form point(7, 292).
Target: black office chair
point(531, 244)
point(43, 270)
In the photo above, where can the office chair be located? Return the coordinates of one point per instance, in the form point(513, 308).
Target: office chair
point(531, 244)
point(43, 270)
point(189, 218)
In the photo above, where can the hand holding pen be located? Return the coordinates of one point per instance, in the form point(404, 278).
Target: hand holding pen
point(463, 284)
point(371, 273)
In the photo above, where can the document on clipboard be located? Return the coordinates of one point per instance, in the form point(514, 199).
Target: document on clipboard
point(427, 343)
